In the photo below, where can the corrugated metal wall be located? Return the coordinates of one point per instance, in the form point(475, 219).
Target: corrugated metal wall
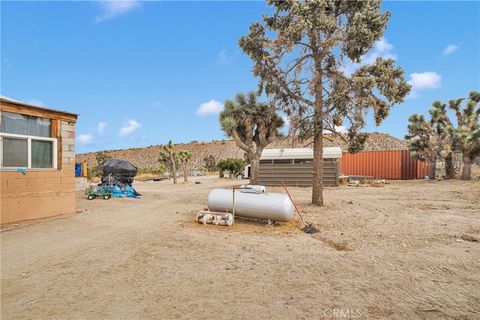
point(297, 174)
point(392, 164)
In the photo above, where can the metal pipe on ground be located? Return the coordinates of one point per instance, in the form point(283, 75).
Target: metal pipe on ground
point(308, 227)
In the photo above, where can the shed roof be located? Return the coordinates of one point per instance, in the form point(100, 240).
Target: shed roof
point(300, 153)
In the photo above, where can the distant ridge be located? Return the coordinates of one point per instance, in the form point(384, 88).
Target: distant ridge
point(146, 157)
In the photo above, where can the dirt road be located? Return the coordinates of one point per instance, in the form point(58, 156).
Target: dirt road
point(383, 252)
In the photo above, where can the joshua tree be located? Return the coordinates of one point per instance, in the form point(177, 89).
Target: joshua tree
point(169, 158)
point(300, 54)
point(252, 124)
point(185, 157)
point(431, 140)
point(467, 134)
point(421, 144)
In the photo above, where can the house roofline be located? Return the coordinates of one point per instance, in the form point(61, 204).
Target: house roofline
point(66, 114)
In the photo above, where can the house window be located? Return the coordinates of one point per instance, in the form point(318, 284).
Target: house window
point(15, 152)
point(26, 142)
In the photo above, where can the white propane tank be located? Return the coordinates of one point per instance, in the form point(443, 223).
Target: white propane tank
point(273, 206)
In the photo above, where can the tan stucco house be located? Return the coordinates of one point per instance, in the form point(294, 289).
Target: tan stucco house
point(37, 161)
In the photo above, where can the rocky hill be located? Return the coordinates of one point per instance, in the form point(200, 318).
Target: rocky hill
point(146, 158)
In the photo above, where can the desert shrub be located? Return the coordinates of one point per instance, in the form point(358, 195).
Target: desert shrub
point(151, 170)
point(210, 163)
point(234, 166)
point(96, 171)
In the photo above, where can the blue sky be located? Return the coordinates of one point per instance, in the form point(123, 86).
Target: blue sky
point(141, 73)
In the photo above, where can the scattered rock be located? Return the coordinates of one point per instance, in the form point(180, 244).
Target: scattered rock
point(468, 237)
point(310, 228)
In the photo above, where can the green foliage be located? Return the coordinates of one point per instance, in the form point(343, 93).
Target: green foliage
point(151, 170)
point(210, 163)
point(467, 134)
point(419, 137)
point(167, 155)
point(90, 173)
point(96, 171)
point(301, 53)
point(252, 124)
point(234, 166)
point(169, 158)
point(430, 140)
point(184, 157)
point(101, 157)
point(438, 137)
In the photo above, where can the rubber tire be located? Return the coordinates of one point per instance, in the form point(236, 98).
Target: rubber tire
point(106, 197)
point(91, 197)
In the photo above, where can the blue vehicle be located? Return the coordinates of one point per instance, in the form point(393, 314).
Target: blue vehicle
point(94, 192)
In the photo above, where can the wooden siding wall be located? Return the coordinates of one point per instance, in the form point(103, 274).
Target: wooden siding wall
point(392, 164)
point(297, 174)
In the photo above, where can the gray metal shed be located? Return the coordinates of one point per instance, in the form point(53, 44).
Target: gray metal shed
point(295, 166)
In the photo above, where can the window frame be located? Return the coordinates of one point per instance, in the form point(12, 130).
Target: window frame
point(29, 150)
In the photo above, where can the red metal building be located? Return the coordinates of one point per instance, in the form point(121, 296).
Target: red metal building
point(391, 164)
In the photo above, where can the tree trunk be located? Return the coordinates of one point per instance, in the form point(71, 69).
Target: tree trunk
point(254, 169)
point(449, 170)
point(185, 174)
point(292, 133)
point(467, 167)
point(294, 140)
point(174, 171)
point(317, 192)
point(433, 168)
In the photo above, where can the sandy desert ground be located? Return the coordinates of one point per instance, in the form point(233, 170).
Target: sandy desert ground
point(392, 252)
